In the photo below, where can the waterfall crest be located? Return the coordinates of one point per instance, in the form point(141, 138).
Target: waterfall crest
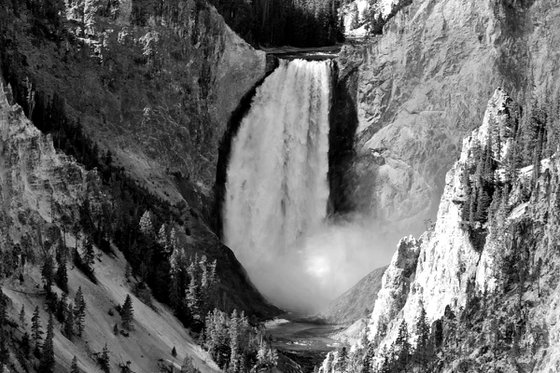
point(277, 188)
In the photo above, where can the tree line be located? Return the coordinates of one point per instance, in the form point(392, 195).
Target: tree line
point(303, 23)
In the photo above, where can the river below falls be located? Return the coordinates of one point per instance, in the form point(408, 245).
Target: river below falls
point(305, 342)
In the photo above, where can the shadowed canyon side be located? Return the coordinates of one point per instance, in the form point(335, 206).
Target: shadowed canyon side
point(277, 188)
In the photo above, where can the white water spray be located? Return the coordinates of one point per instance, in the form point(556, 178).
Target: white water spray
point(277, 188)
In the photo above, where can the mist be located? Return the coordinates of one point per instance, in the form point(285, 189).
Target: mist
point(323, 264)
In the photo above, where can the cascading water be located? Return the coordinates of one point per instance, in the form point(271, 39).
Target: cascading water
point(277, 188)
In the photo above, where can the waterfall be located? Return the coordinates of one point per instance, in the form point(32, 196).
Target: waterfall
point(277, 189)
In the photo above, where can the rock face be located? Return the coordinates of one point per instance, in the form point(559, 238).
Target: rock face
point(42, 190)
point(422, 86)
point(37, 183)
point(474, 295)
point(144, 94)
point(357, 302)
point(155, 85)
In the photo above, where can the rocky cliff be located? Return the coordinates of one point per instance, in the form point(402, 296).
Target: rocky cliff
point(154, 84)
point(142, 92)
point(422, 86)
point(357, 302)
point(42, 192)
point(453, 300)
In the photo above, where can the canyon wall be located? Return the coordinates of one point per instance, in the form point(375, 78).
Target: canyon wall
point(42, 192)
point(143, 93)
point(422, 86)
point(476, 294)
point(154, 84)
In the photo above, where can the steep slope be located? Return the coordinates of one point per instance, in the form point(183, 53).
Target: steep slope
point(357, 302)
point(143, 93)
point(479, 291)
point(155, 85)
point(42, 191)
point(422, 86)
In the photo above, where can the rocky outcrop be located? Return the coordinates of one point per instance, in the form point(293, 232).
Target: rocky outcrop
point(143, 93)
point(41, 192)
point(470, 293)
point(38, 184)
point(423, 85)
point(357, 302)
point(154, 85)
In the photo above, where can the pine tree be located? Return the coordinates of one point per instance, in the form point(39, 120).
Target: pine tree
point(69, 322)
point(25, 344)
point(367, 359)
point(402, 345)
point(342, 361)
point(234, 342)
point(74, 367)
point(61, 308)
point(47, 273)
point(79, 311)
point(127, 271)
point(174, 352)
point(145, 225)
point(423, 336)
point(36, 331)
point(46, 364)
point(127, 313)
point(104, 361)
point(365, 336)
point(192, 293)
point(89, 257)
point(162, 239)
point(188, 366)
point(61, 277)
point(22, 322)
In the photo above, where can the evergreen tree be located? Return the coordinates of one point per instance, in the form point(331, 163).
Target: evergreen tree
point(367, 359)
point(22, 322)
point(234, 342)
point(46, 364)
point(74, 367)
point(402, 345)
point(174, 352)
point(47, 273)
point(329, 362)
point(423, 336)
point(89, 257)
point(25, 344)
point(188, 366)
point(342, 360)
point(69, 322)
point(104, 361)
point(162, 239)
point(79, 311)
point(145, 225)
point(36, 332)
point(364, 340)
point(192, 293)
point(61, 276)
point(61, 308)
point(127, 271)
point(127, 313)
